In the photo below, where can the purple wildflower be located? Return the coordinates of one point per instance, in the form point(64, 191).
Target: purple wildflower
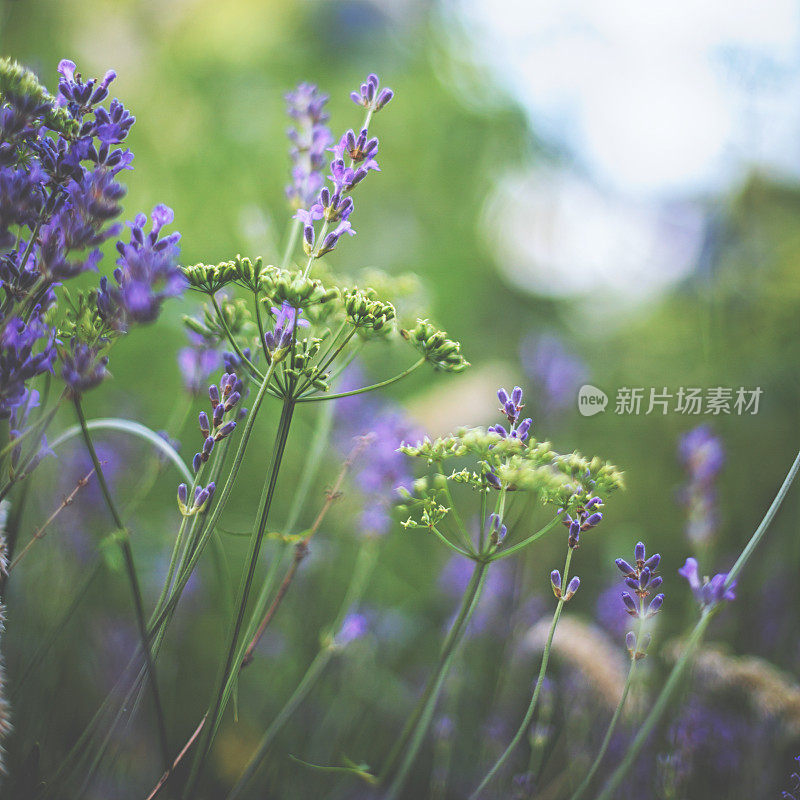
point(82, 367)
point(512, 405)
point(586, 518)
point(354, 626)
point(370, 95)
point(310, 137)
point(197, 362)
point(146, 273)
point(556, 373)
point(708, 592)
point(26, 350)
point(384, 468)
point(703, 456)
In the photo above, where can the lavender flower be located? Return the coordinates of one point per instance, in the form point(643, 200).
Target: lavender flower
point(354, 626)
point(384, 469)
point(370, 95)
point(202, 497)
point(224, 399)
point(641, 579)
point(82, 367)
point(586, 518)
point(26, 350)
point(555, 372)
point(572, 586)
point(708, 592)
point(310, 138)
point(511, 406)
point(287, 320)
point(703, 456)
point(332, 204)
point(146, 274)
point(196, 362)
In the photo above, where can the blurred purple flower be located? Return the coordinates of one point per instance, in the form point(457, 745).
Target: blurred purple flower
point(555, 372)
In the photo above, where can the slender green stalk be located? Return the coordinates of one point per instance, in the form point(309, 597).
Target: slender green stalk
point(130, 568)
point(358, 581)
point(417, 725)
point(609, 733)
point(228, 672)
point(696, 636)
point(309, 398)
point(254, 370)
point(526, 721)
point(316, 450)
point(291, 242)
point(515, 548)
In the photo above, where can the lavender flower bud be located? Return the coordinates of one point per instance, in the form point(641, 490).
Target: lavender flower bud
point(639, 552)
point(225, 430)
point(630, 604)
point(232, 401)
point(516, 396)
point(205, 428)
point(197, 461)
point(574, 533)
point(219, 412)
point(502, 396)
point(383, 98)
point(653, 562)
point(213, 393)
point(555, 582)
point(594, 519)
point(595, 501)
point(630, 642)
point(655, 605)
point(625, 568)
point(655, 582)
point(573, 587)
point(644, 579)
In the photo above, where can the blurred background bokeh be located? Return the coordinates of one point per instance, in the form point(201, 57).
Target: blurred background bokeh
point(590, 193)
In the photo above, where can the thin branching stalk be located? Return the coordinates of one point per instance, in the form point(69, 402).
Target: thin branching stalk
point(526, 721)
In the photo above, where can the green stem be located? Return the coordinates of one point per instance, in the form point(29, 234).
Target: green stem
point(309, 398)
point(229, 670)
point(609, 733)
point(130, 568)
point(417, 725)
point(526, 721)
point(291, 242)
point(525, 542)
point(322, 431)
point(664, 698)
point(358, 581)
point(254, 370)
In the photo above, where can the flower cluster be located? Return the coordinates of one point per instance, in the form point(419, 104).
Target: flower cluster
point(703, 456)
point(512, 407)
point(642, 580)
point(224, 399)
point(334, 205)
point(709, 592)
point(586, 517)
point(201, 499)
point(60, 158)
point(310, 138)
point(146, 273)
